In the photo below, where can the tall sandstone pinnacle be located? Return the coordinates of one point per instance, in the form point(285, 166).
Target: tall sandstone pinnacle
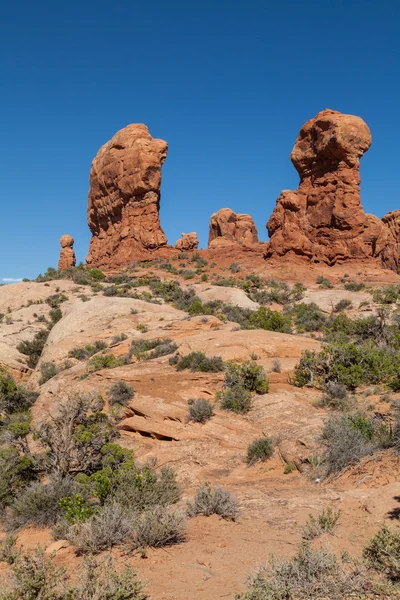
point(124, 198)
point(324, 219)
point(67, 255)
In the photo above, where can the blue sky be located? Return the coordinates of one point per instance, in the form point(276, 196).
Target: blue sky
point(227, 84)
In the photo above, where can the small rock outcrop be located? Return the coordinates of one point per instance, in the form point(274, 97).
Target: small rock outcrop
point(67, 255)
point(391, 253)
point(124, 198)
point(227, 227)
point(188, 242)
point(324, 219)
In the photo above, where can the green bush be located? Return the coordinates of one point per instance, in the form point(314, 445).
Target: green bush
point(33, 349)
point(248, 375)
point(236, 398)
point(308, 317)
point(16, 472)
point(88, 350)
point(105, 361)
point(14, 398)
point(148, 349)
point(306, 369)
point(342, 305)
point(347, 439)
point(260, 450)
point(198, 361)
point(352, 286)
point(120, 393)
point(271, 320)
point(200, 410)
point(73, 440)
point(48, 370)
point(324, 283)
point(383, 552)
point(325, 522)
point(76, 509)
point(210, 500)
point(141, 488)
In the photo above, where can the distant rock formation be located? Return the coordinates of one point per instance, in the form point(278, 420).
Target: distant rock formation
point(67, 255)
point(391, 253)
point(227, 227)
point(323, 219)
point(124, 198)
point(188, 242)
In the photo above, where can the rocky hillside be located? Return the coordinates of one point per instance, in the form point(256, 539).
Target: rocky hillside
point(257, 396)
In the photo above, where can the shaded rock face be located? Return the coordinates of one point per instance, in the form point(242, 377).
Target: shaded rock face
point(323, 219)
point(188, 242)
point(391, 253)
point(67, 255)
point(124, 198)
point(227, 227)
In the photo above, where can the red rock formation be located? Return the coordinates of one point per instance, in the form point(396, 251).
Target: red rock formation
point(188, 242)
point(124, 198)
point(227, 227)
point(67, 254)
point(391, 253)
point(323, 219)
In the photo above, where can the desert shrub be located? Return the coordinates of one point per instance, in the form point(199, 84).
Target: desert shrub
point(73, 440)
point(387, 295)
point(33, 574)
point(323, 282)
point(110, 526)
point(88, 350)
point(325, 522)
point(342, 305)
point(158, 527)
point(200, 410)
point(276, 366)
point(234, 268)
point(105, 361)
point(348, 363)
point(188, 274)
point(308, 574)
point(248, 375)
point(47, 371)
point(308, 317)
point(96, 274)
point(260, 450)
point(237, 399)
point(336, 396)
point(271, 320)
point(33, 349)
point(141, 488)
point(353, 286)
point(8, 550)
point(16, 472)
point(198, 361)
point(210, 500)
point(120, 393)
point(39, 504)
point(347, 439)
point(383, 552)
point(306, 369)
point(14, 398)
point(76, 509)
point(119, 338)
point(55, 315)
point(148, 349)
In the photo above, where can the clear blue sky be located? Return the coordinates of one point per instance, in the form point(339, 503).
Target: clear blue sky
point(227, 83)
